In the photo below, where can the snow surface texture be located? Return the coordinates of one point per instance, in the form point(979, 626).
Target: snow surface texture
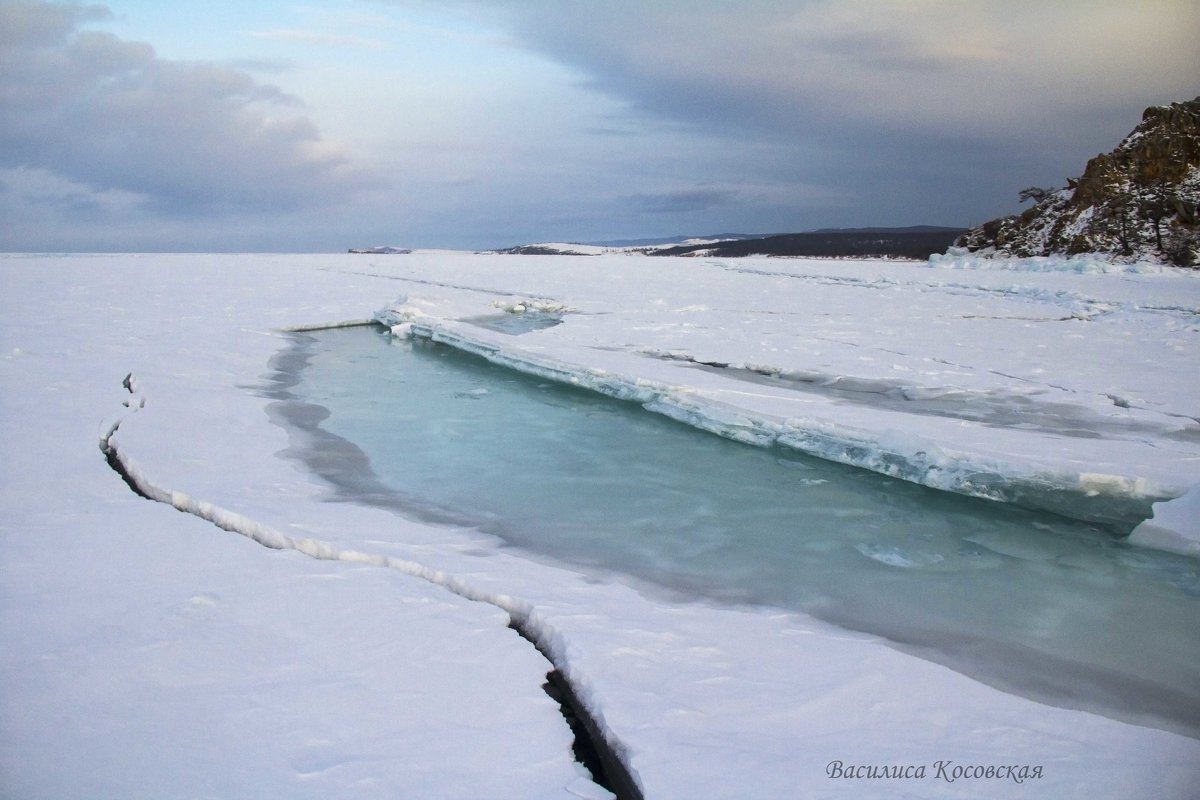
point(169, 658)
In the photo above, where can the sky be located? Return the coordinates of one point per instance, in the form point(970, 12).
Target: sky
point(234, 125)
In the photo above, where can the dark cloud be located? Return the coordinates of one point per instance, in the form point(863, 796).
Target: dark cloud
point(786, 64)
point(30, 24)
point(108, 116)
point(929, 112)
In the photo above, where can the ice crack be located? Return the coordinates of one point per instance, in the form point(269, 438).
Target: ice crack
point(612, 755)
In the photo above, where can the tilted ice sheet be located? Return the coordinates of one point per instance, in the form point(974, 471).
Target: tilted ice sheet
point(1071, 392)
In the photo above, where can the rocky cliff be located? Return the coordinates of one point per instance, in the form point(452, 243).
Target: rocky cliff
point(1138, 202)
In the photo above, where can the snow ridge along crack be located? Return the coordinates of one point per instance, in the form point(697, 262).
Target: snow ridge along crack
point(133, 402)
point(618, 775)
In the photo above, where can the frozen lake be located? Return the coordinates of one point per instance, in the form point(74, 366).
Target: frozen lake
point(367, 649)
point(1031, 602)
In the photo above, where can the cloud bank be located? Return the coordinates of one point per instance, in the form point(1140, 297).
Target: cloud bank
point(884, 112)
point(795, 66)
point(98, 121)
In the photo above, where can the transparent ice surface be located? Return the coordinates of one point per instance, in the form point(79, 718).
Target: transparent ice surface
point(1034, 603)
point(516, 324)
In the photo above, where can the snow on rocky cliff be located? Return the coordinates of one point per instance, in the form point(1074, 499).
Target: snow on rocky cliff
point(1137, 202)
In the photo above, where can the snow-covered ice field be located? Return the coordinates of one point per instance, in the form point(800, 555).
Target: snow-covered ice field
point(150, 653)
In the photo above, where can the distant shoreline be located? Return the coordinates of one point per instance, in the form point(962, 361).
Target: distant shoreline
point(916, 243)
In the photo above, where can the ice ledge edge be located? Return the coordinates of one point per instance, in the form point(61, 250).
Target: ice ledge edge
point(1117, 502)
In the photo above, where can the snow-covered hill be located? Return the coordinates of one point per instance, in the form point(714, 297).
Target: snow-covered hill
point(1137, 202)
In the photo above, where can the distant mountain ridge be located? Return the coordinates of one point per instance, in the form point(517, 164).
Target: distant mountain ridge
point(1137, 202)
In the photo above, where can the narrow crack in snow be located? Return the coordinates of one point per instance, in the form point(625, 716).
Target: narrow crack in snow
point(611, 754)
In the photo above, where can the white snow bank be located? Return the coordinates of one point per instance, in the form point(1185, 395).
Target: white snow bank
point(1175, 525)
point(522, 304)
point(961, 258)
point(576, 248)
